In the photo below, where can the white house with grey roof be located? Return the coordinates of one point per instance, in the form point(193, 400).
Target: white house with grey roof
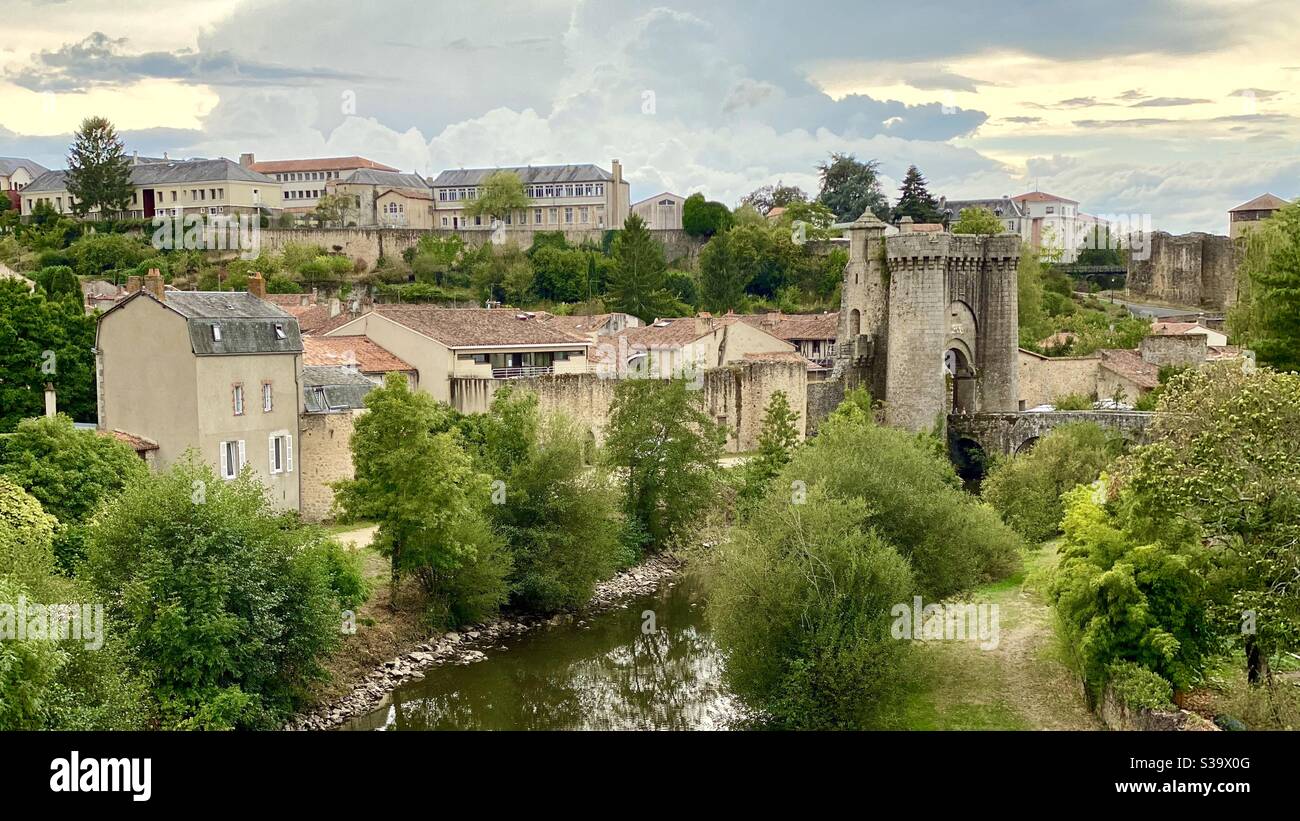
point(1004, 208)
point(561, 197)
point(16, 173)
point(216, 373)
point(164, 187)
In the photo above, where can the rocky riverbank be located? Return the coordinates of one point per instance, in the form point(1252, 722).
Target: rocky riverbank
point(468, 645)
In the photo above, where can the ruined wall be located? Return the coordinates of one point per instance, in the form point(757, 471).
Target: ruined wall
point(1197, 270)
point(823, 398)
point(1045, 379)
point(324, 456)
point(1179, 351)
point(370, 244)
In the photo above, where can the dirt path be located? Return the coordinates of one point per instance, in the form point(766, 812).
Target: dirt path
point(1021, 684)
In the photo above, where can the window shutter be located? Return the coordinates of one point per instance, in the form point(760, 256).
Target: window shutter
point(288, 453)
point(270, 457)
point(243, 459)
point(222, 461)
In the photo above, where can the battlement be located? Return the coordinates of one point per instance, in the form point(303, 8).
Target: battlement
point(1001, 248)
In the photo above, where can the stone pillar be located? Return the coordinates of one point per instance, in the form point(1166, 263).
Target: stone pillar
point(915, 387)
point(999, 326)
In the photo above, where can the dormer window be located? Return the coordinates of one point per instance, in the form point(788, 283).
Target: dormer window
point(216, 333)
point(279, 331)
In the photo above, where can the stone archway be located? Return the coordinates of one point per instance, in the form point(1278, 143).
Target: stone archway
point(970, 459)
point(961, 377)
point(1026, 446)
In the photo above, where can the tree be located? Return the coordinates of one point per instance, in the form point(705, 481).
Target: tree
point(227, 603)
point(98, 254)
point(44, 341)
point(978, 221)
point(914, 199)
point(415, 480)
point(26, 539)
point(637, 281)
point(28, 670)
point(503, 275)
point(334, 209)
point(764, 199)
point(669, 447)
point(1268, 320)
point(704, 218)
point(722, 279)
point(434, 257)
point(849, 188)
point(502, 193)
point(776, 443)
point(99, 173)
point(765, 256)
point(70, 472)
point(58, 281)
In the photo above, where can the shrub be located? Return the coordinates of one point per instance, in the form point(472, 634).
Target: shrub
point(1026, 489)
point(27, 671)
point(1139, 688)
point(26, 538)
point(800, 600)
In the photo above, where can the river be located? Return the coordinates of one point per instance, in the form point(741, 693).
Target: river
point(621, 670)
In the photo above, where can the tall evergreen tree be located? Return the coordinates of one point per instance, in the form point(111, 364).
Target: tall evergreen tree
point(99, 174)
point(850, 187)
point(1268, 316)
point(638, 280)
point(722, 277)
point(914, 199)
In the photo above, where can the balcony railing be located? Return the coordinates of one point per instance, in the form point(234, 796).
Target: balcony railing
point(522, 373)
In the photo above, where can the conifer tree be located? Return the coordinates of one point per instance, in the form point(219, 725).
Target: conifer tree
point(914, 199)
point(99, 174)
point(637, 282)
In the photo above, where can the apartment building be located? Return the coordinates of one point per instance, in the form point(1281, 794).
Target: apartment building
point(175, 188)
point(1052, 225)
point(304, 182)
point(560, 197)
point(1004, 208)
point(219, 373)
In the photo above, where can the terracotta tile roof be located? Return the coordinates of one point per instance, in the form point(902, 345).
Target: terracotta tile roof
point(580, 325)
point(785, 356)
point(138, 443)
point(361, 351)
point(329, 323)
point(925, 228)
point(479, 327)
point(1042, 196)
point(408, 193)
point(322, 164)
point(287, 301)
point(1220, 353)
point(1057, 340)
point(1264, 202)
point(796, 326)
point(676, 332)
point(1172, 328)
point(1131, 366)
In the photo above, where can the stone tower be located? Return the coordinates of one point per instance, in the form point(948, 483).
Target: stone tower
point(929, 322)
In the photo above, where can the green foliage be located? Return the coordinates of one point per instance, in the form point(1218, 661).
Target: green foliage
point(226, 603)
point(850, 188)
point(800, 600)
point(1268, 318)
point(914, 498)
point(27, 669)
point(764, 199)
point(434, 259)
point(502, 192)
point(58, 281)
point(637, 281)
point(1074, 402)
point(978, 221)
point(97, 254)
point(915, 200)
point(503, 274)
point(704, 218)
point(99, 173)
point(722, 277)
point(669, 447)
point(1026, 489)
point(1139, 688)
point(568, 274)
point(26, 539)
point(776, 444)
point(415, 480)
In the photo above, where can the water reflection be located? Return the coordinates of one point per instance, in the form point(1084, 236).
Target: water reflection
point(606, 675)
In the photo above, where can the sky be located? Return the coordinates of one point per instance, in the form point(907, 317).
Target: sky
point(1177, 109)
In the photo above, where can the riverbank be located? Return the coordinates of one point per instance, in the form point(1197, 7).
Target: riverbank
point(366, 687)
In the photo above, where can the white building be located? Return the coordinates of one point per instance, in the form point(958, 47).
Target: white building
point(561, 197)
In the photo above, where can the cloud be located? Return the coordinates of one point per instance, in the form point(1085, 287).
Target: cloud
point(1022, 120)
point(1257, 93)
point(1168, 102)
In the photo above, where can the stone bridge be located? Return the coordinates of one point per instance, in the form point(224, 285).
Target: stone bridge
point(1009, 433)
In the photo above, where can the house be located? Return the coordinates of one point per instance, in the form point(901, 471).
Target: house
point(333, 397)
point(174, 188)
point(687, 345)
point(1213, 338)
point(218, 373)
point(16, 173)
point(1004, 208)
point(456, 351)
point(1050, 224)
point(813, 335)
point(1246, 216)
point(386, 199)
point(559, 197)
point(593, 326)
point(100, 294)
point(358, 355)
point(304, 182)
point(662, 212)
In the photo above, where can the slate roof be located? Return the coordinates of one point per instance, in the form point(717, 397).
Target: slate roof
point(326, 389)
point(169, 172)
point(8, 165)
point(479, 327)
point(322, 164)
point(1003, 207)
point(529, 175)
point(1264, 202)
point(796, 326)
point(248, 325)
point(388, 179)
point(363, 352)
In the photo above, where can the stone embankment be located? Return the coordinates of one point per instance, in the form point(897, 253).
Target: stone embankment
point(468, 645)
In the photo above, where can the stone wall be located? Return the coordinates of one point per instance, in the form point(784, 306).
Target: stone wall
point(1196, 270)
point(1008, 433)
point(1045, 379)
point(324, 456)
point(823, 398)
point(1174, 350)
point(369, 244)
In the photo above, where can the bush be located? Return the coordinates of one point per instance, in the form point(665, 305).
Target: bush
point(26, 538)
point(346, 572)
point(227, 604)
point(95, 254)
point(27, 670)
point(1026, 489)
point(1139, 688)
point(800, 600)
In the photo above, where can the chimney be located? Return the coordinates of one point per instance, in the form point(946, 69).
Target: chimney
point(51, 401)
point(154, 284)
point(132, 284)
point(246, 160)
point(905, 225)
point(335, 307)
point(257, 285)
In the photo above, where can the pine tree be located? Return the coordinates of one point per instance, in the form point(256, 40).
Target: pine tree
point(779, 436)
point(99, 174)
point(637, 283)
point(722, 279)
point(914, 199)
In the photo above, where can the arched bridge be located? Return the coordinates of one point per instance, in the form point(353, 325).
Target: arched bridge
point(1009, 433)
